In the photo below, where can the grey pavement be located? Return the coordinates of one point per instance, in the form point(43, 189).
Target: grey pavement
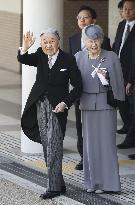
point(23, 176)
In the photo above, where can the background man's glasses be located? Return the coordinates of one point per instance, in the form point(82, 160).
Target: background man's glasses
point(83, 17)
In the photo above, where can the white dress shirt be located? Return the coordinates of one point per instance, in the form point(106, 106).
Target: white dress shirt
point(82, 45)
point(54, 57)
point(131, 24)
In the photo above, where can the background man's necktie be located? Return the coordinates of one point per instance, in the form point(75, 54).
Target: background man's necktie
point(50, 62)
point(127, 32)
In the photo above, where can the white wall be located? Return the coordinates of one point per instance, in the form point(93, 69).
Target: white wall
point(114, 19)
point(41, 15)
point(13, 6)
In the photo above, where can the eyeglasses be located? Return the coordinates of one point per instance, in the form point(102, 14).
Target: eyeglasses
point(83, 17)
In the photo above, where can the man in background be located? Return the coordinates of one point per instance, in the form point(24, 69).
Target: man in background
point(124, 46)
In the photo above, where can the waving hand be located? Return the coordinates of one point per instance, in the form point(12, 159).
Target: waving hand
point(28, 40)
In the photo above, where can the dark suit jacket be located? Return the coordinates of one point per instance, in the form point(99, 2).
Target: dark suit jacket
point(75, 43)
point(53, 82)
point(126, 55)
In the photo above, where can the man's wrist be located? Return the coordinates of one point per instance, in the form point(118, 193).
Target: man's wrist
point(66, 107)
point(22, 50)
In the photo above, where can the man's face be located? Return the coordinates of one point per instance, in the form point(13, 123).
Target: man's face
point(49, 44)
point(84, 19)
point(129, 11)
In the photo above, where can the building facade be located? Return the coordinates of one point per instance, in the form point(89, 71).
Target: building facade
point(11, 24)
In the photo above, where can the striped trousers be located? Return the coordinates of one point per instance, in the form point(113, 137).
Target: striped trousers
point(52, 142)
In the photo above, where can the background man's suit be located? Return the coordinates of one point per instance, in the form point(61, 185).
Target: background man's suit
point(127, 62)
point(74, 47)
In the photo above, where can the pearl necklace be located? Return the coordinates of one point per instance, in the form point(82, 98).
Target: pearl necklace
point(94, 57)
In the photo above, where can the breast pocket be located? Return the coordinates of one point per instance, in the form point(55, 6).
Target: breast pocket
point(63, 72)
point(60, 76)
point(63, 69)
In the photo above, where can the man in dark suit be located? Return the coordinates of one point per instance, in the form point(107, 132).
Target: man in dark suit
point(124, 47)
point(131, 133)
point(45, 115)
point(86, 16)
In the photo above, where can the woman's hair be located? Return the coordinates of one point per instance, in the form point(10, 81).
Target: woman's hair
point(92, 32)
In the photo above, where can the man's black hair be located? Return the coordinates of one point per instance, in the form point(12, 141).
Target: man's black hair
point(120, 5)
point(87, 8)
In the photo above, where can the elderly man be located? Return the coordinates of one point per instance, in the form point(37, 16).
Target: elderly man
point(45, 114)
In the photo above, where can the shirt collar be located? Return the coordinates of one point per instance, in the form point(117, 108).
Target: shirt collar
point(131, 23)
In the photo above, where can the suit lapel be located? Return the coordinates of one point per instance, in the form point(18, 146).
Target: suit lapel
point(58, 62)
point(129, 38)
point(78, 42)
point(132, 33)
point(44, 68)
point(121, 32)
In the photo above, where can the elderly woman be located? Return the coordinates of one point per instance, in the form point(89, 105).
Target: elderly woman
point(45, 114)
point(99, 119)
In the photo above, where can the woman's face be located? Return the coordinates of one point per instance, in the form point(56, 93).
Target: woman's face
point(94, 46)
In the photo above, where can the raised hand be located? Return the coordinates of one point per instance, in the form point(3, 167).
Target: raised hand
point(28, 40)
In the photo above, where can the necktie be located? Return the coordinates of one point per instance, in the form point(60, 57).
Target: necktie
point(127, 32)
point(50, 62)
